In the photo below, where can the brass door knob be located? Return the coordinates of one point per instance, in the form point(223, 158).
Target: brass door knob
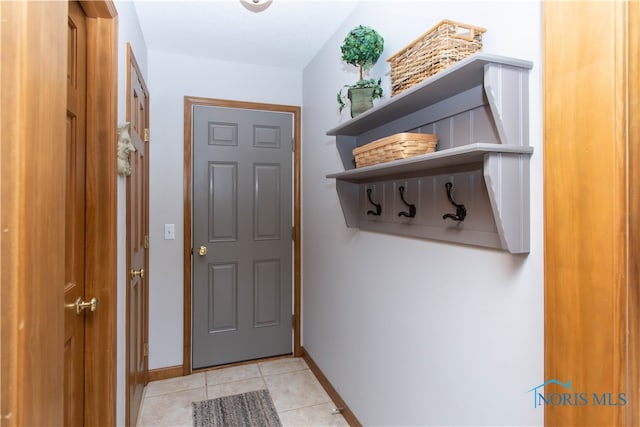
point(81, 305)
point(202, 250)
point(135, 273)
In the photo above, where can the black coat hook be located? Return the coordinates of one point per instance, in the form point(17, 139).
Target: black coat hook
point(378, 206)
point(461, 211)
point(412, 208)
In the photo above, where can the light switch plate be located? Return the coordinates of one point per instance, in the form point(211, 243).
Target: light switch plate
point(169, 231)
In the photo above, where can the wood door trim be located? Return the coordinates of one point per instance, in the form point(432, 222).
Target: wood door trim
point(165, 373)
point(132, 62)
point(189, 103)
point(102, 211)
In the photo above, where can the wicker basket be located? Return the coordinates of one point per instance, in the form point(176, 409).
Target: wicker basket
point(442, 46)
point(394, 147)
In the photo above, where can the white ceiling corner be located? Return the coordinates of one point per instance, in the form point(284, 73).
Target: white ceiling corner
point(287, 34)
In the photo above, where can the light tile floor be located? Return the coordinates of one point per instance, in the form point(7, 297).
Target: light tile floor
point(297, 395)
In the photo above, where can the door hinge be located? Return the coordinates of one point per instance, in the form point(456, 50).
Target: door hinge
point(293, 321)
point(293, 232)
point(145, 350)
point(146, 241)
point(293, 144)
point(146, 135)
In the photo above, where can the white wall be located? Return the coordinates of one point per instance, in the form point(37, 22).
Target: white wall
point(128, 32)
point(409, 331)
point(171, 78)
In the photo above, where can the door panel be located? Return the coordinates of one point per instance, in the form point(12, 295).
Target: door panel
point(137, 240)
point(242, 287)
point(266, 202)
point(223, 297)
point(74, 287)
point(223, 185)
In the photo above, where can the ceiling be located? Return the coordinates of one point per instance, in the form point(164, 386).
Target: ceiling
point(287, 34)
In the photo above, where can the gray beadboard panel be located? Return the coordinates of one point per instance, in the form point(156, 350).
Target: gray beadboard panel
point(458, 78)
point(507, 91)
point(467, 127)
point(345, 145)
point(462, 133)
point(507, 180)
point(389, 207)
point(482, 218)
point(465, 101)
point(431, 202)
point(444, 130)
point(348, 194)
point(484, 127)
point(428, 194)
point(462, 120)
point(448, 234)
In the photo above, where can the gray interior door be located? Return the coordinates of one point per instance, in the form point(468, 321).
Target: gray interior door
point(242, 210)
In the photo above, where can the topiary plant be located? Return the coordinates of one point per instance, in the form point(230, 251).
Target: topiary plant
point(361, 48)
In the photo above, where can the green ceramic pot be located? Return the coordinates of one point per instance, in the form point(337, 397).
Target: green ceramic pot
point(361, 99)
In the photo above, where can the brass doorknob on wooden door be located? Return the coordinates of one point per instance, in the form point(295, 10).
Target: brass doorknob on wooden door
point(135, 273)
point(81, 305)
point(202, 250)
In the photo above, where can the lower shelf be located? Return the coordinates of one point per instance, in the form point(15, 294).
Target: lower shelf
point(492, 186)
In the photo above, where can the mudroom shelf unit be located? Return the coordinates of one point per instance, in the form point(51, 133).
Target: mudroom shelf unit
point(475, 188)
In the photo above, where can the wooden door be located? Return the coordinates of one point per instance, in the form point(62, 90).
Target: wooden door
point(242, 220)
point(137, 238)
point(32, 211)
point(591, 209)
point(33, 73)
point(74, 284)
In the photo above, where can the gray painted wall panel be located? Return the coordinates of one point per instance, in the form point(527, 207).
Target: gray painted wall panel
point(507, 93)
point(509, 199)
point(428, 194)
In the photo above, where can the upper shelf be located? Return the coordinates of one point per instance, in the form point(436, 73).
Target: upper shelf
point(466, 154)
point(464, 75)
